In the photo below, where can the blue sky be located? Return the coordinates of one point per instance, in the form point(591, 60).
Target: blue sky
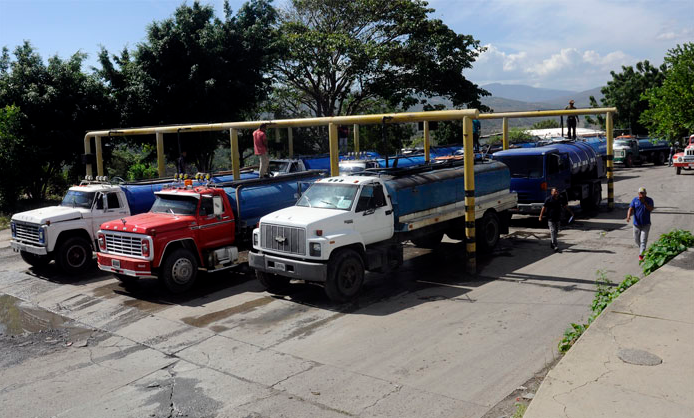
point(542, 43)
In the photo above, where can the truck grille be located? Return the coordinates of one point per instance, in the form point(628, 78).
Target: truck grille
point(27, 232)
point(689, 152)
point(123, 244)
point(283, 238)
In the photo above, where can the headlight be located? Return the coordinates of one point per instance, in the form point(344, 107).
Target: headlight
point(256, 239)
point(314, 249)
point(679, 159)
point(42, 234)
point(13, 227)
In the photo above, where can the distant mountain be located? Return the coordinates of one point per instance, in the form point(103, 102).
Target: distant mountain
point(524, 93)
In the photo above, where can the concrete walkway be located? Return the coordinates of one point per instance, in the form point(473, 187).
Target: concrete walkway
point(5, 237)
point(636, 359)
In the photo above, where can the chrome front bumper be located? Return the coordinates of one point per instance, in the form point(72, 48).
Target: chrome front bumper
point(287, 267)
point(33, 249)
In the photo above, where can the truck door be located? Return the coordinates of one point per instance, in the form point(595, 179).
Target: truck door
point(374, 219)
point(214, 230)
point(107, 207)
point(558, 172)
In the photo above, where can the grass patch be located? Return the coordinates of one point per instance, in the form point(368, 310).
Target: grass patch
point(520, 410)
point(665, 249)
point(604, 295)
point(4, 221)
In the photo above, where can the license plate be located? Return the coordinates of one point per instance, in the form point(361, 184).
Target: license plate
point(280, 266)
point(115, 263)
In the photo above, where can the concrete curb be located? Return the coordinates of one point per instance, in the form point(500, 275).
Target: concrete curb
point(636, 359)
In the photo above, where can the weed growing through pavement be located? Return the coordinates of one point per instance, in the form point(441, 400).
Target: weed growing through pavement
point(666, 248)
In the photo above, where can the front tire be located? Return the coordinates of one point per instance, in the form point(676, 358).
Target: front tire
point(35, 260)
point(179, 271)
point(678, 170)
point(74, 255)
point(345, 276)
point(488, 234)
point(629, 161)
point(273, 283)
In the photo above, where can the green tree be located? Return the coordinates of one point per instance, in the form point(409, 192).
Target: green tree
point(546, 124)
point(195, 68)
point(625, 92)
point(58, 103)
point(671, 106)
point(11, 147)
point(338, 56)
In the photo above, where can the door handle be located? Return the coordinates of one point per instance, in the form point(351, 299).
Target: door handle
point(388, 212)
point(349, 221)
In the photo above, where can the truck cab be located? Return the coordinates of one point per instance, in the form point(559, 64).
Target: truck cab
point(626, 150)
point(66, 233)
point(684, 159)
point(188, 229)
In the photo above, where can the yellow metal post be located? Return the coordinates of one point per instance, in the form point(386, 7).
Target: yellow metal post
point(356, 139)
point(504, 128)
point(334, 150)
point(610, 161)
point(469, 159)
point(235, 159)
point(99, 157)
point(161, 163)
point(290, 140)
point(426, 141)
point(87, 151)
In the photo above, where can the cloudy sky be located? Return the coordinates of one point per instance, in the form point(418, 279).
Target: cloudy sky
point(568, 45)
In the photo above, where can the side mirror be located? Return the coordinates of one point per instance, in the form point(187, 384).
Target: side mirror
point(217, 206)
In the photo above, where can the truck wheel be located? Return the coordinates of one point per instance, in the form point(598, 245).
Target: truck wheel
point(126, 280)
point(659, 159)
point(273, 283)
point(345, 276)
point(179, 271)
point(35, 260)
point(488, 232)
point(74, 255)
point(592, 202)
point(429, 241)
point(679, 170)
point(629, 161)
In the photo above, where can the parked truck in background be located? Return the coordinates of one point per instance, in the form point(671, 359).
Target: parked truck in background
point(576, 169)
point(684, 159)
point(192, 228)
point(630, 150)
point(344, 226)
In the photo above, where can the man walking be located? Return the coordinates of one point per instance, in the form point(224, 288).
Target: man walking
point(260, 148)
point(571, 120)
point(641, 208)
point(554, 205)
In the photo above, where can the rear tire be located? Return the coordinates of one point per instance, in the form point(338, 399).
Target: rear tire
point(74, 255)
point(345, 276)
point(659, 159)
point(592, 202)
point(179, 271)
point(273, 283)
point(629, 161)
point(35, 260)
point(430, 241)
point(488, 232)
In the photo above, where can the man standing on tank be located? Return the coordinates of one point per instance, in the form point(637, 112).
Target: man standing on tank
point(571, 120)
point(260, 148)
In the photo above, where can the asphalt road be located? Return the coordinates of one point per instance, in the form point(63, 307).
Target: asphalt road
point(426, 341)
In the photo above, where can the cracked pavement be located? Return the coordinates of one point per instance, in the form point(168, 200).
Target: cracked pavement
point(425, 341)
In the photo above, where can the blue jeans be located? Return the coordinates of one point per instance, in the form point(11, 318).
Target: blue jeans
point(554, 232)
point(641, 236)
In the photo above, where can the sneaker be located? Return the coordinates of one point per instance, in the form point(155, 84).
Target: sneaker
point(640, 258)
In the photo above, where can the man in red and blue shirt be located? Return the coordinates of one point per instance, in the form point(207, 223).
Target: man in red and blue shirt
point(260, 149)
point(641, 208)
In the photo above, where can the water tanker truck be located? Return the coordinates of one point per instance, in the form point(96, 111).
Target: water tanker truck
point(629, 150)
point(344, 226)
point(575, 169)
point(191, 228)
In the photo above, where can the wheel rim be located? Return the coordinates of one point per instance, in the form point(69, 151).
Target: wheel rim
point(182, 271)
point(76, 256)
point(349, 277)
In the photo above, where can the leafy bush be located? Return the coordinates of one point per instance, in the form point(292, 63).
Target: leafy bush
point(666, 248)
point(604, 295)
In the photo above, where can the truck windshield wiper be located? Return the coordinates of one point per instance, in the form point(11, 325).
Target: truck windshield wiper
point(328, 203)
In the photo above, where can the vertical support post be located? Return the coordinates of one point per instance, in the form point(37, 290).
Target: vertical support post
point(426, 141)
point(290, 139)
point(277, 135)
point(469, 159)
point(99, 157)
point(161, 164)
point(356, 139)
point(334, 150)
point(87, 151)
point(610, 161)
point(504, 125)
point(235, 159)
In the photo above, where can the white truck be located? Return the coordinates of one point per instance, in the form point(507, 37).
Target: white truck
point(344, 226)
point(66, 233)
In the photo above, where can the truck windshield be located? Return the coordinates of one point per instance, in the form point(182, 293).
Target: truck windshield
point(77, 199)
point(622, 143)
point(177, 205)
point(329, 196)
point(525, 166)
